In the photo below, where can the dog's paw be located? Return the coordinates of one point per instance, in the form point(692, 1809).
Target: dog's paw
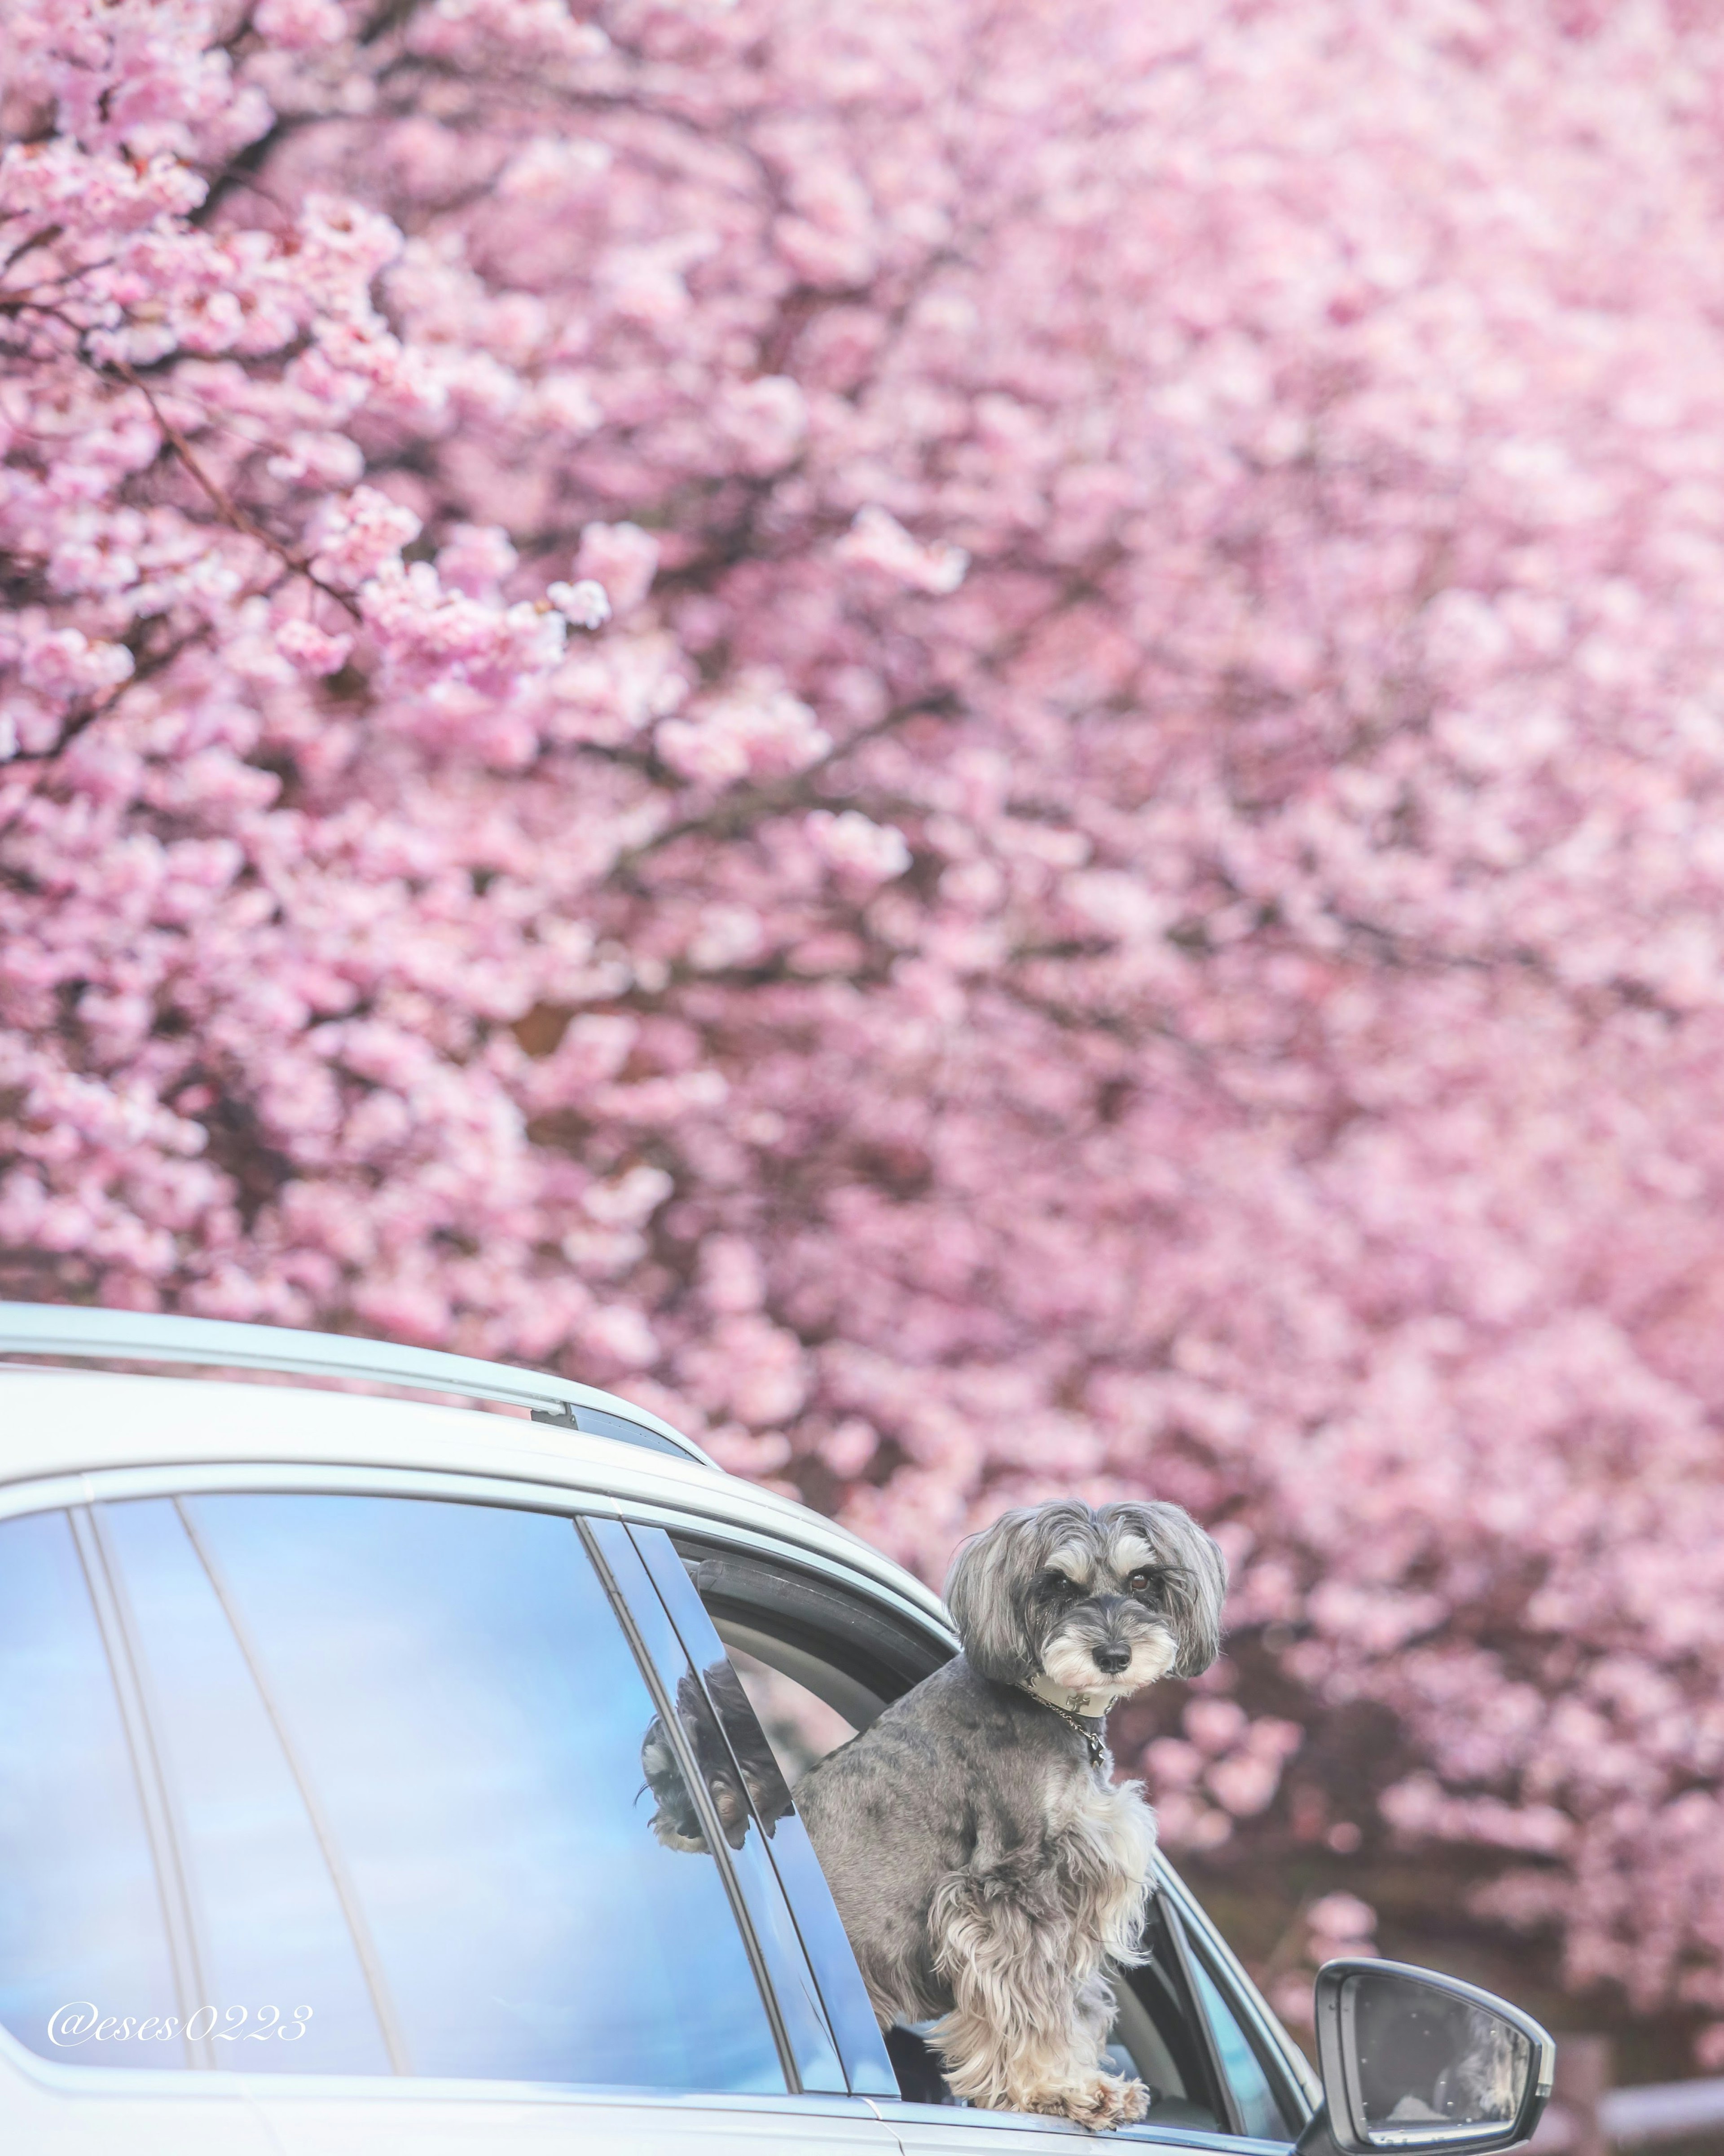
point(670, 1834)
point(1108, 2100)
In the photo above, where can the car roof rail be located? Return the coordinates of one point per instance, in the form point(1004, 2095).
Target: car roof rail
point(83, 1334)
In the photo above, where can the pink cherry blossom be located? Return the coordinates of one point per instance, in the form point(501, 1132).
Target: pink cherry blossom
point(877, 540)
point(849, 843)
point(621, 558)
point(981, 744)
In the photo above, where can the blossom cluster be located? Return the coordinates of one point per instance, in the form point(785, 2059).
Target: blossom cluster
point(983, 743)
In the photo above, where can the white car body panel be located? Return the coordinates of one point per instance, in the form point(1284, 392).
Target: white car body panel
point(61, 1425)
point(58, 2111)
point(561, 2124)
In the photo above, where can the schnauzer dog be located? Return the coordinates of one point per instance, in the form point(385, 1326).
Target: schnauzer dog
point(987, 1869)
point(743, 1778)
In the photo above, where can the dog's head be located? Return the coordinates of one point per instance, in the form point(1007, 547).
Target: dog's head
point(1098, 1601)
point(743, 1777)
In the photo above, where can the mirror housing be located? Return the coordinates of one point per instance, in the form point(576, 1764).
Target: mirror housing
point(1415, 2064)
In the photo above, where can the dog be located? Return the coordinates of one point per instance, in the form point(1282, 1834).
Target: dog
point(742, 1776)
point(987, 1869)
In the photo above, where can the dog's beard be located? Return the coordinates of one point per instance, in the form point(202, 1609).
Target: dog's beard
point(676, 1824)
point(1068, 1660)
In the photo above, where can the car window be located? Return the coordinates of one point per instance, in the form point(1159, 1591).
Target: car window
point(1251, 2085)
point(1259, 2112)
point(828, 1962)
point(80, 1918)
point(749, 1803)
point(434, 1704)
point(471, 1716)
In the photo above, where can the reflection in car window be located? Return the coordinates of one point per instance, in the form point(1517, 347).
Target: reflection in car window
point(81, 1919)
point(749, 1798)
point(818, 1985)
point(468, 1715)
point(1259, 2114)
point(743, 1779)
point(270, 1929)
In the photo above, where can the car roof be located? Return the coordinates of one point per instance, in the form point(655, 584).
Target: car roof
point(82, 1332)
point(61, 1425)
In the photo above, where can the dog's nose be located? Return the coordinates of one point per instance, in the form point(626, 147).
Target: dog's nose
point(1111, 1659)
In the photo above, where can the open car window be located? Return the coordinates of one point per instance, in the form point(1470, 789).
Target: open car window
point(845, 1651)
point(798, 1723)
point(817, 1666)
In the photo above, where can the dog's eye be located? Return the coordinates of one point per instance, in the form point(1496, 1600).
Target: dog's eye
point(1138, 1581)
point(1056, 1583)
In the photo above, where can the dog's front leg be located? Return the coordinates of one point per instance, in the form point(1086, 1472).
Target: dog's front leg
point(1030, 2009)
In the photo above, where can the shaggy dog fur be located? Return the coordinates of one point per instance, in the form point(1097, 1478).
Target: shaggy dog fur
point(759, 1790)
point(987, 1869)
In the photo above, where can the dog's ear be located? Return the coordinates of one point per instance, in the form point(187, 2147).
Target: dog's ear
point(1195, 1578)
point(984, 1592)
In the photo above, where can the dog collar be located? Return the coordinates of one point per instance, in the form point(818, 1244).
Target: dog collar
point(1079, 1708)
point(1092, 1704)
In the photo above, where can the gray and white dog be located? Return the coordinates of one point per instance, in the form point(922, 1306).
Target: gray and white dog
point(987, 1869)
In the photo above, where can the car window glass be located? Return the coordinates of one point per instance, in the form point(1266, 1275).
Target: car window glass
point(746, 1794)
point(270, 1929)
point(801, 1728)
point(825, 1958)
point(80, 1914)
point(469, 1717)
point(1260, 2113)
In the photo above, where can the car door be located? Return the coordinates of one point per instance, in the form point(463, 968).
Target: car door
point(817, 1659)
point(391, 1816)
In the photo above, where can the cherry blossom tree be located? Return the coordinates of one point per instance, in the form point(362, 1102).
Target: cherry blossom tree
point(982, 743)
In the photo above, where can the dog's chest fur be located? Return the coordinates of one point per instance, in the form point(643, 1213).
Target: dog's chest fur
point(965, 1777)
point(1103, 1839)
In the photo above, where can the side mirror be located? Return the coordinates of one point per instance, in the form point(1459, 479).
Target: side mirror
point(1412, 2061)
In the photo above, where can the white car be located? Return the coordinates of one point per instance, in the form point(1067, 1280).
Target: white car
point(376, 1773)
